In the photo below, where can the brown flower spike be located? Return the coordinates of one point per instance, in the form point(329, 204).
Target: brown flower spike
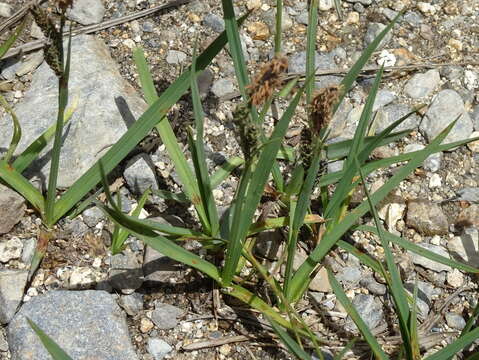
point(64, 4)
point(322, 107)
point(267, 80)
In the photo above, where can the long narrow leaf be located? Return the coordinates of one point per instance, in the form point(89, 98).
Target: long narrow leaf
point(290, 343)
point(456, 346)
point(55, 351)
point(12, 38)
point(17, 130)
point(311, 47)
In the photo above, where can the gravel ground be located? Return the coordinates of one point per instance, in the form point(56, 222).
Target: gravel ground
point(435, 206)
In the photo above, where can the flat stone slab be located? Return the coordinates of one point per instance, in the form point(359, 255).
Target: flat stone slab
point(87, 325)
point(107, 106)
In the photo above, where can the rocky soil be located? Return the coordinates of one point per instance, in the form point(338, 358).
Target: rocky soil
point(141, 305)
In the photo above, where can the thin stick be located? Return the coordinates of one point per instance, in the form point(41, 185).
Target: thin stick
point(38, 44)
point(17, 16)
point(216, 342)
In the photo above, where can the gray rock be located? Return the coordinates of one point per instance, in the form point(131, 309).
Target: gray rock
point(3, 342)
point(433, 162)
point(465, 248)
point(469, 194)
point(390, 14)
point(362, 2)
point(148, 27)
point(5, 10)
point(214, 22)
point(158, 348)
point(132, 304)
point(30, 63)
point(36, 32)
point(349, 276)
point(175, 57)
point(303, 18)
point(413, 18)
point(455, 321)
point(10, 249)
point(421, 85)
point(76, 227)
point(335, 166)
point(86, 324)
point(12, 208)
point(87, 12)
point(475, 117)
point(427, 218)
point(393, 112)
point(325, 5)
point(297, 62)
point(425, 291)
point(427, 263)
point(370, 310)
point(373, 30)
point(9, 68)
point(358, 7)
point(126, 273)
point(92, 216)
point(107, 105)
point(446, 107)
point(159, 268)
point(165, 316)
point(140, 174)
point(28, 250)
point(223, 87)
point(12, 284)
point(205, 79)
point(383, 98)
point(372, 285)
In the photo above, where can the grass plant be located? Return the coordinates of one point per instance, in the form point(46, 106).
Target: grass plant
point(234, 235)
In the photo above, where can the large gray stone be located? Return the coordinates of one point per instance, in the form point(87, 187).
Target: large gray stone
point(370, 310)
point(445, 108)
point(86, 324)
point(393, 112)
point(107, 105)
point(428, 263)
point(125, 273)
point(421, 85)
point(87, 12)
point(140, 174)
point(12, 284)
point(12, 208)
point(373, 30)
point(427, 218)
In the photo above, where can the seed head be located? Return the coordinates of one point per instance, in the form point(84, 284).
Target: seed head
point(322, 107)
point(267, 80)
point(247, 131)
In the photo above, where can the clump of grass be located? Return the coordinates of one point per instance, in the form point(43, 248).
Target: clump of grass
point(234, 235)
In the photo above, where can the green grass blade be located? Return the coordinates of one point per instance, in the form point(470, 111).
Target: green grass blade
point(118, 239)
point(456, 346)
point(12, 38)
point(279, 30)
point(234, 44)
point(55, 351)
point(168, 195)
point(471, 321)
point(57, 141)
point(21, 185)
point(182, 168)
point(352, 75)
point(136, 132)
point(311, 47)
point(363, 328)
point(344, 186)
point(225, 170)
point(420, 250)
point(274, 223)
point(301, 276)
point(246, 205)
point(17, 130)
point(289, 342)
point(199, 157)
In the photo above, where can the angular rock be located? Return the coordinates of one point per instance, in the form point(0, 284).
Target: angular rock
point(87, 12)
point(373, 30)
point(427, 263)
point(86, 324)
point(445, 108)
point(175, 57)
point(469, 194)
point(12, 284)
point(370, 310)
point(475, 117)
point(393, 112)
point(349, 276)
point(30, 63)
point(92, 216)
point(297, 62)
point(223, 87)
point(383, 98)
point(140, 174)
point(132, 303)
point(125, 273)
point(28, 250)
point(107, 105)
point(433, 162)
point(5, 10)
point(465, 248)
point(455, 321)
point(10, 249)
point(214, 22)
point(425, 291)
point(165, 316)
point(3, 343)
point(372, 285)
point(12, 208)
point(158, 348)
point(469, 217)
point(422, 85)
point(427, 218)
point(159, 268)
